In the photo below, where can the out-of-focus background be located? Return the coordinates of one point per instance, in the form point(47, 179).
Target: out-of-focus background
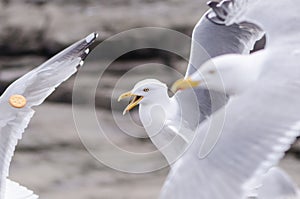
point(50, 159)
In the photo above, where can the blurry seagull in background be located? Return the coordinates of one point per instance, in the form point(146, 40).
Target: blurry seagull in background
point(262, 118)
point(20, 97)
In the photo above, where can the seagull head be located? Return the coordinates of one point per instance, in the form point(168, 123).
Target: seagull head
point(205, 77)
point(229, 74)
point(208, 76)
point(145, 92)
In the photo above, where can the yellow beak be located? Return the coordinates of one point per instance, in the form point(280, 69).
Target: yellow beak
point(134, 102)
point(183, 84)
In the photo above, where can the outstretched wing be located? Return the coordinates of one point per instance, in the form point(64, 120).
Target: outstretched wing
point(211, 40)
point(260, 125)
point(35, 86)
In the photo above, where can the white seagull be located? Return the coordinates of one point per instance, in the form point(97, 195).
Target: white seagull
point(21, 96)
point(262, 118)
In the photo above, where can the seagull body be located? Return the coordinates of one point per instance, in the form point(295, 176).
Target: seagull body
point(21, 96)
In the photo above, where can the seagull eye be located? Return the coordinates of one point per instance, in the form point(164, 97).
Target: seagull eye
point(146, 90)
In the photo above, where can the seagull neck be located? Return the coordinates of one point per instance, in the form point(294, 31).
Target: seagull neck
point(154, 113)
point(159, 98)
point(165, 99)
point(156, 118)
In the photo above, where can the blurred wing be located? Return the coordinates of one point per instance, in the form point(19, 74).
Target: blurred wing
point(35, 86)
point(260, 125)
point(210, 40)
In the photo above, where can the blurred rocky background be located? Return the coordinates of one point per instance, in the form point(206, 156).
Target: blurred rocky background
point(51, 159)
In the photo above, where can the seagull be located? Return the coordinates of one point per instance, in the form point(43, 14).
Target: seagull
point(170, 123)
point(18, 100)
point(208, 40)
point(262, 115)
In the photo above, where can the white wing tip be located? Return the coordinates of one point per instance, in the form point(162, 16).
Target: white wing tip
point(81, 63)
point(91, 37)
point(16, 191)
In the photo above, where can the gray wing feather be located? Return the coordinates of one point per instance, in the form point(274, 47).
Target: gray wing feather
point(210, 40)
point(35, 86)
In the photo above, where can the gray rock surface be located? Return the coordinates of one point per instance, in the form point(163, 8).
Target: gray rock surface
point(26, 26)
point(33, 30)
point(52, 161)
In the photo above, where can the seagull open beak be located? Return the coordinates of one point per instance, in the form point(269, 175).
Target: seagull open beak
point(183, 84)
point(134, 102)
